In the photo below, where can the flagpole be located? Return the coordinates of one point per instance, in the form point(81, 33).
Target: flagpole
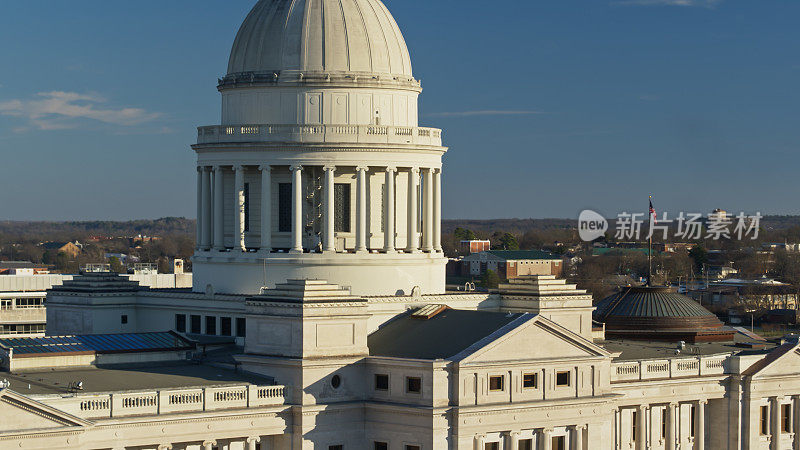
point(650, 250)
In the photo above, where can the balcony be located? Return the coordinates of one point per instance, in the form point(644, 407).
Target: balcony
point(668, 368)
point(320, 134)
point(167, 401)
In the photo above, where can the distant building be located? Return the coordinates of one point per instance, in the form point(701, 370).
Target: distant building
point(475, 246)
point(71, 249)
point(511, 264)
point(22, 268)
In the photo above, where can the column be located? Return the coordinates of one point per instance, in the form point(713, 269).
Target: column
point(266, 208)
point(252, 441)
point(547, 439)
point(219, 208)
point(329, 211)
point(413, 207)
point(775, 423)
point(617, 428)
point(577, 437)
point(199, 221)
point(672, 437)
point(427, 203)
point(796, 422)
point(297, 209)
point(641, 428)
point(238, 210)
point(437, 211)
point(700, 425)
point(388, 204)
point(206, 208)
point(165, 447)
point(480, 442)
point(512, 440)
point(361, 225)
point(209, 445)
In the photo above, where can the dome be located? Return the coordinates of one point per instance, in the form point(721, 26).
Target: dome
point(658, 313)
point(329, 36)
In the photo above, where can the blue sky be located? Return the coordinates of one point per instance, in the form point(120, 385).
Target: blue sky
point(548, 107)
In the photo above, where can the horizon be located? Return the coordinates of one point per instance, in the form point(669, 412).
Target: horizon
point(96, 99)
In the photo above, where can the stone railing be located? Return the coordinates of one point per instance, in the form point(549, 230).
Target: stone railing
point(123, 404)
point(320, 134)
point(668, 368)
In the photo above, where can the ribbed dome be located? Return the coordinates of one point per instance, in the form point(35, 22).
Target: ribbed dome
point(358, 36)
point(658, 313)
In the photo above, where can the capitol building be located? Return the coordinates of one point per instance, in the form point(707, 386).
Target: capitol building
point(319, 316)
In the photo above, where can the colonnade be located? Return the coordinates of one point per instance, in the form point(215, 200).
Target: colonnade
point(574, 439)
point(643, 437)
point(211, 200)
point(249, 443)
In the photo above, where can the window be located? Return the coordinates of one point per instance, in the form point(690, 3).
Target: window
point(5, 304)
point(562, 379)
point(285, 207)
point(381, 446)
point(336, 447)
point(764, 420)
point(27, 303)
point(496, 383)
point(211, 325)
point(530, 381)
point(413, 385)
point(413, 447)
point(241, 327)
point(381, 382)
point(225, 326)
point(180, 323)
point(246, 195)
point(786, 418)
point(634, 421)
point(692, 419)
point(123, 319)
point(341, 192)
point(33, 328)
point(196, 324)
point(336, 381)
point(559, 443)
point(526, 444)
point(492, 446)
point(664, 423)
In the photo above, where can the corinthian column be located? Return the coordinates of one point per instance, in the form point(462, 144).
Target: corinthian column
point(219, 208)
point(388, 227)
point(361, 225)
point(206, 236)
point(199, 221)
point(437, 210)
point(238, 211)
point(700, 425)
point(297, 209)
point(413, 239)
point(266, 208)
point(672, 438)
point(328, 244)
point(427, 219)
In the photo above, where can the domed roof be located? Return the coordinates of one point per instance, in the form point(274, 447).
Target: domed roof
point(358, 36)
point(658, 313)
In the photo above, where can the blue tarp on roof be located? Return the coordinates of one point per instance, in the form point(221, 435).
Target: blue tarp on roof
point(98, 343)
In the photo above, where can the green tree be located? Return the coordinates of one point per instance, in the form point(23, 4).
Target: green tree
point(509, 242)
point(463, 234)
point(700, 256)
point(116, 265)
point(490, 279)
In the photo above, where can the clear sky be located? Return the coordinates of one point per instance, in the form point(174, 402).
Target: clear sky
point(548, 106)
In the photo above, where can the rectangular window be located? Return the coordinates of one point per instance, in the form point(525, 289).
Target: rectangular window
point(211, 325)
point(664, 423)
point(634, 421)
point(692, 420)
point(559, 443)
point(496, 383)
point(562, 379)
point(341, 192)
point(526, 444)
point(225, 326)
point(123, 319)
point(381, 446)
point(196, 324)
point(413, 385)
point(764, 420)
point(285, 207)
point(530, 381)
point(335, 447)
point(241, 327)
point(381, 382)
point(180, 323)
point(246, 195)
point(412, 447)
point(5, 304)
point(492, 446)
point(786, 418)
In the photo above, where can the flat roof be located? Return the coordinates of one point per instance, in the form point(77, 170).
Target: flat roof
point(96, 343)
point(127, 378)
point(631, 349)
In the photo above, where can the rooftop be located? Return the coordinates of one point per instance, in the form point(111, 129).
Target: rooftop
point(442, 336)
point(99, 343)
point(638, 349)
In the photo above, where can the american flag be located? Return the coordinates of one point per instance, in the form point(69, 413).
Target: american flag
point(652, 211)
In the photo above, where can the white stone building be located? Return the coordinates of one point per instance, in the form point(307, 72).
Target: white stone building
point(319, 255)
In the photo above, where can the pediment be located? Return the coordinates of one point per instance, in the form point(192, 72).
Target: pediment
point(22, 414)
point(538, 338)
point(784, 360)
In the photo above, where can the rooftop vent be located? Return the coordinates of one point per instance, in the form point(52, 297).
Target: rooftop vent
point(428, 311)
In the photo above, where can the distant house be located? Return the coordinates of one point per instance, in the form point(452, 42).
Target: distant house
point(71, 249)
point(475, 246)
point(22, 268)
point(511, 264)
